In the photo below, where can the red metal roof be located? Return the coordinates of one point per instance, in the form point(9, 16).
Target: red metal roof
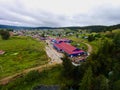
point(68, 48)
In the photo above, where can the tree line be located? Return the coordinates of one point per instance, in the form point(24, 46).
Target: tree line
point(4, 34)
point(100, 72)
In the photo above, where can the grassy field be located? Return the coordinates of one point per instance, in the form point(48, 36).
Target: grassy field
point(21, 53)
point(34, 78)
point(95, 45)
point(78, 42)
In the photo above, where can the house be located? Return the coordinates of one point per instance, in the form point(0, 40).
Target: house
point(42, 38)
point(2, 52)
point(68, 49)
point(60, 40)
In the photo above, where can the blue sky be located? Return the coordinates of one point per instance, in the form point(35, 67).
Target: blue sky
point(55, 13)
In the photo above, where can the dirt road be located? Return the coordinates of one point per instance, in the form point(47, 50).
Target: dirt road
point(54, 60)
point(13, 77)
point(53, 54)
point(89, 47)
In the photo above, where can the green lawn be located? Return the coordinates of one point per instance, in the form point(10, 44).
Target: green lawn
point(21, 53)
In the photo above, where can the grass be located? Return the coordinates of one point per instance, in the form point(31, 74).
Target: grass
point(95, 45)
point(116, 31)
point(51, 76)
point(21, 53)
point(35, 78)
point(78, 42)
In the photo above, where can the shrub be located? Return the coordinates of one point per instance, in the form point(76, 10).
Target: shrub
point(5, 34)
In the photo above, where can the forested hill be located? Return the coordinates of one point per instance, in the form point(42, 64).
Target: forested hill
point(96, 28)
point(22, 27)
point(12, 27)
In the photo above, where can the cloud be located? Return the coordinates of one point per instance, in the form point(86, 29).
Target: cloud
point(57, 13)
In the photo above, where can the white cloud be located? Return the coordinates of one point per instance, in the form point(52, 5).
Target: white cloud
point(59, 12)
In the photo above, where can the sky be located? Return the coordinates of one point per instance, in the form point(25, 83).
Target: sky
point(59, 13)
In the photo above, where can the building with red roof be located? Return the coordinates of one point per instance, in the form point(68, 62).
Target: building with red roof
point(68, 49)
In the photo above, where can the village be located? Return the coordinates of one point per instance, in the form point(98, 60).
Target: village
point(64, 46)
point(43, 48)
point(58, 43)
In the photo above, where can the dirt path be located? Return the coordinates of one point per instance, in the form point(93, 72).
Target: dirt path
point(89, 47)
point(13, 77)
point(52, 54)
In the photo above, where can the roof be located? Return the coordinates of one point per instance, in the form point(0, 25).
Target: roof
point(60, 40)
point(68, 48)
point(64, 39)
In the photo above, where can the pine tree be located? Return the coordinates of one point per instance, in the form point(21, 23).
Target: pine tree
point(101, 83)
point(116, 85)
point(86, 83)
point(114, 77)
point(67, 67)
point(116, 39)
point(4, 34)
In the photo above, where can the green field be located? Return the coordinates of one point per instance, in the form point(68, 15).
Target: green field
point(48, 77)
point(78, 42)
point(21, 53)
point(34, 78)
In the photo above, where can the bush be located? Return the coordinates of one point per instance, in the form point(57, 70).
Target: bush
point(91, 38)
point(33, 75)
point(19, 83)
point(5, 34)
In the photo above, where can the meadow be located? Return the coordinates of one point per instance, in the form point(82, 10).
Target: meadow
point(35, 78)
point(21, 53)
point(78, 42)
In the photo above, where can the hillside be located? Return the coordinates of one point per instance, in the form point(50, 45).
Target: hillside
point(22, 27)
point(96, 28)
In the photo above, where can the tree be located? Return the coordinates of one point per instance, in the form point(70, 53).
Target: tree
point(77, 76)
point(114, 77)
point(67, 67)
point(91, 38)
point(102, 60)
point(77, 35)
point(116, 39)
point(109, 34)
point(43, 35)
point(116, 85)
point(101, 83)
point(87, 80)
point(5, 34)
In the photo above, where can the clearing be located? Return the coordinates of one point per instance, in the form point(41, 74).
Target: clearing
point(21, 53)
